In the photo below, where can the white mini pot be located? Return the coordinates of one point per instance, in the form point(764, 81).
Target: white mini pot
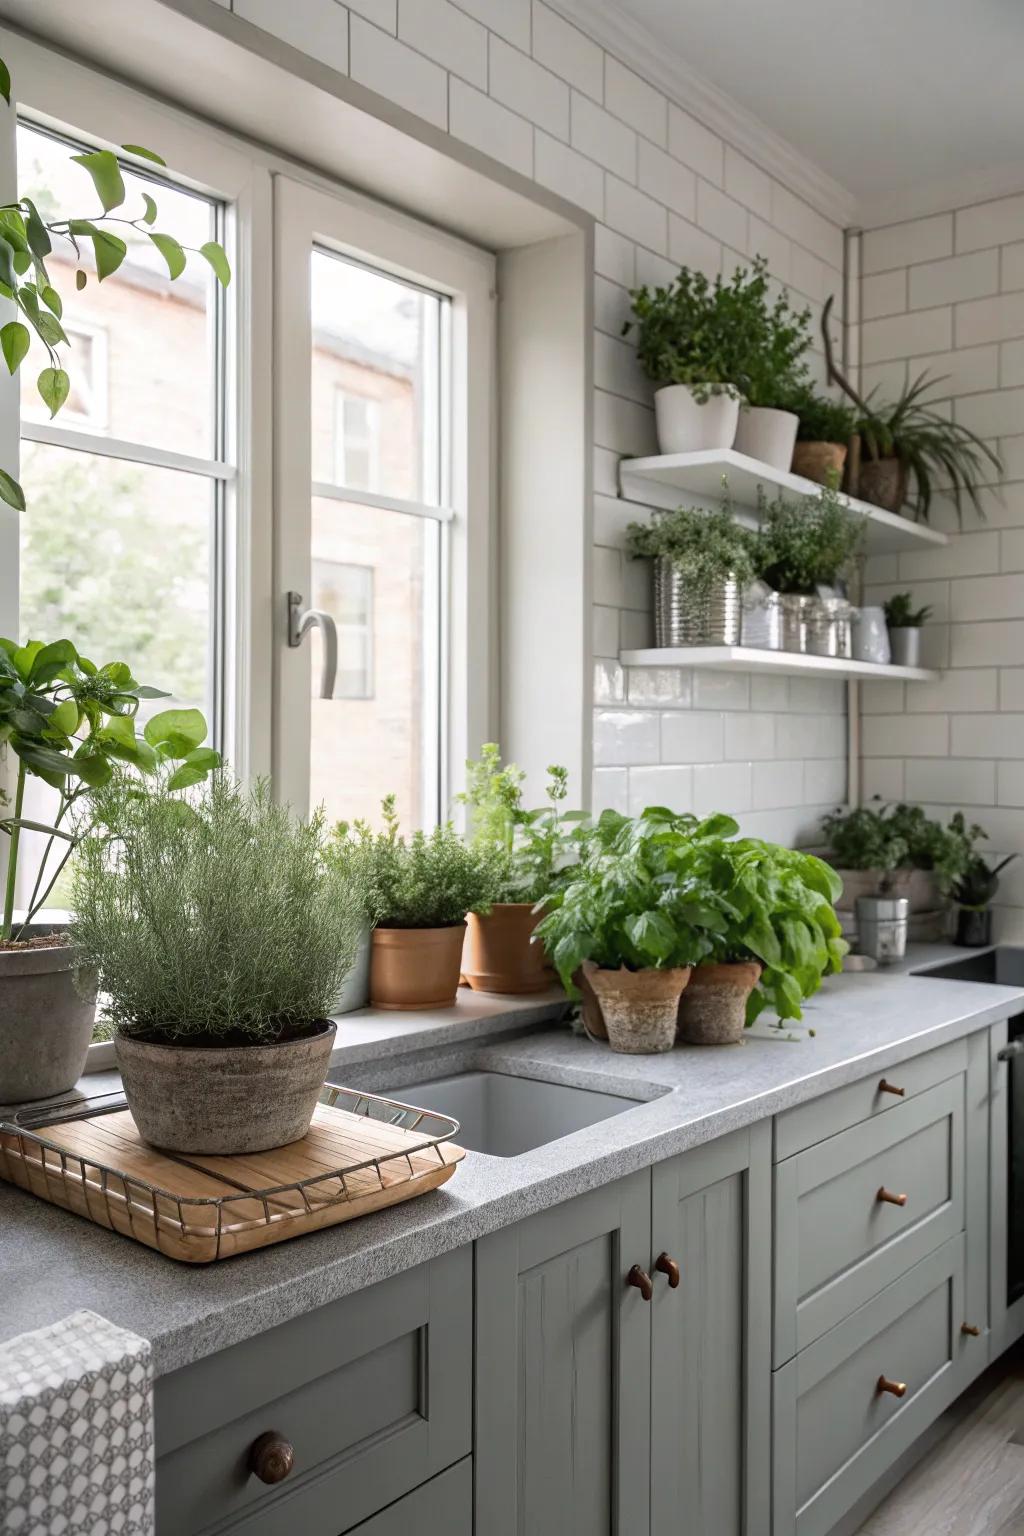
point(767, 435)
point(687, 426)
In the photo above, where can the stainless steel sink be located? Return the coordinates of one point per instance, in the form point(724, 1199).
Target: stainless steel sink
point(1003, 964)
point(504, 1115)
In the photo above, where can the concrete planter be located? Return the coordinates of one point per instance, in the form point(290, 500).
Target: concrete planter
point(640, 1008)
point(713, 1009)
point(46, 1022)
point(224, 1098)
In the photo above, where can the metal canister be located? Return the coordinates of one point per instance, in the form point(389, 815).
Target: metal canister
point(882, 924)
point(762, 618)
point(689, 615)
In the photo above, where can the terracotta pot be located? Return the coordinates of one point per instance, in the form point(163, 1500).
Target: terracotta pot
point(225, 1098)
point(918, 885)
point(46, 1022)
point(415, 967)
point(640, 1008)
point(498, 955)
point(713, 1009)
point(883, 482)
point(590, 1008)
point(819, 461)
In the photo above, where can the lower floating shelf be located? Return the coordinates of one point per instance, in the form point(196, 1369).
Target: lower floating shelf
point(742, 658)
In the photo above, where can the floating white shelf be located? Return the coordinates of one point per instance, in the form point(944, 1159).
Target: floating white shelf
point(663, 481)
point(745, 658)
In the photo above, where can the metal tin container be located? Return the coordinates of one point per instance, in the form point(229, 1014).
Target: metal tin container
point(882, 924)
point(685, 616)
point(906, 646)
point(762, 618)
point(829, 630)
point(795, 610)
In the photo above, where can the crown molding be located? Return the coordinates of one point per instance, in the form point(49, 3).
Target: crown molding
point(944, 195)
point(634, 44)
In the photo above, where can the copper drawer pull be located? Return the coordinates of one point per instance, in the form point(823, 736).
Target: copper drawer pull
point(642, 1280)
point(971, 1330)
point(897, 1388)
point(666, 1266)
point(271, 1457)
point(887, 1197)
point(887, 1087)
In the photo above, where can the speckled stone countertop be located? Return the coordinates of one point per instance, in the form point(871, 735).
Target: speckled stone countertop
point(52, 1263)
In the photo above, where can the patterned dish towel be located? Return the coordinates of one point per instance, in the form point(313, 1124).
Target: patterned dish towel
point(76, 1431)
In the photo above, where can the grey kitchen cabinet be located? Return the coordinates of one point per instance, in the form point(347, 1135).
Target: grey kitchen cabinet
point(1006, 1312)
point(600, 1411)
point(372, 1393)
point(443, 1506)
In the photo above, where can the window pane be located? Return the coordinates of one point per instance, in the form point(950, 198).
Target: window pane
point(116, 558)
point(142, 349)
point(376, 573)
point(376, 371)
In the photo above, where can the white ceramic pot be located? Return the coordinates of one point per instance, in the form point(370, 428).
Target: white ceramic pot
point(871, 636)
point(767, 435)
point(686, 426)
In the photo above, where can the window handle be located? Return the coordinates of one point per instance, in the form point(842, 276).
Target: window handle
point(299, 625)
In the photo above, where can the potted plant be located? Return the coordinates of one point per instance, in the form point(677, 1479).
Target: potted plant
point(530, 849)
point(703, 562)
point(822, 436)
point(220, 935)
point(66, 723)
point(904, 623)
point(974, 893)
point(419, 891)
point(770, 370)
point(350, 854)
point(904, 447)
point(687, 337)
point(801, 548)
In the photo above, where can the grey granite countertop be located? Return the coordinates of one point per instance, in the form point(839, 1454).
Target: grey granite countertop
point(52, 1263)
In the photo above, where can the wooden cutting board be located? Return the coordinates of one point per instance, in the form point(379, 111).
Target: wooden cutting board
point(200, 1208)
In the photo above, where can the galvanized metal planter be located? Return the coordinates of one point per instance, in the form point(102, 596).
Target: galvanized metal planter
point(829, 631)
point(684, 615)
point(762, 618)
point(795, 620)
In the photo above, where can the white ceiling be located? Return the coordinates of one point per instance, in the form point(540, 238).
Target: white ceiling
point(892, 98)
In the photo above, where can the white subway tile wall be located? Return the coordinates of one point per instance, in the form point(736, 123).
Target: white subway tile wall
point(528, 88)
point(946, 293)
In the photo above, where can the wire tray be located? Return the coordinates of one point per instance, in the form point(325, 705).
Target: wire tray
point(363, 1152)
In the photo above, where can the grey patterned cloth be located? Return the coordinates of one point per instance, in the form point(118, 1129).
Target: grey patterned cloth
point(76, 1431)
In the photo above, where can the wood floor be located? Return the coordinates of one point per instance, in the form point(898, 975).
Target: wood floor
point(972, 1482)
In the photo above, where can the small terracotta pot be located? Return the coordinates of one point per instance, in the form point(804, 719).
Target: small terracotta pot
point(818, 461)
point(415, 967)
point(713, 1009)
point(640, 1008)
point(590, 1007)
point(883, 482)
point(498, 955)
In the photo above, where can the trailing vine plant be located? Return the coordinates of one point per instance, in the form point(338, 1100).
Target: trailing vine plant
point(27, 239)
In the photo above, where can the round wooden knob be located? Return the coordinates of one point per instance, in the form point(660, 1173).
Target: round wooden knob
point(271, 1457)
point(642, 1280)
point(896, 1388)
point(666, 1266)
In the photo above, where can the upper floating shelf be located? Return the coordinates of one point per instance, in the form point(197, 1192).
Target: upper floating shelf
point(744, 658)
point(663, 480)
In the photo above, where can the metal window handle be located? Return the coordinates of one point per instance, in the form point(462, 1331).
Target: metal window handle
point(299, 624)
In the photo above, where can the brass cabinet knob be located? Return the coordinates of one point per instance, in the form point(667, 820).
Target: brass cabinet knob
point(896, 1388)
point(887, 1197)
point(666, 1266)
point(887, 1087)
point(971, 1330)
point(642, 1280)
point(271, 1457)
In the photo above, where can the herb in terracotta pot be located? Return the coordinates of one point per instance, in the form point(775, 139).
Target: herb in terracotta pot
point(420, 889)
point(68, 724)
point(531, 850)
point(823, 435)
point(220, 935)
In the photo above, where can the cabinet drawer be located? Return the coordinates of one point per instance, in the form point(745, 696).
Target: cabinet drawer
point(444, 1504)
point(838, 1241)
point(806, 1124)
point(374, 1393)
point(836, 1432)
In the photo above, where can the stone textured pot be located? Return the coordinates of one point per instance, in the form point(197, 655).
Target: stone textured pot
point(685, 426)
point(224, 1098)
point(767, 435)
point(590, 1008)
point(499, 955)
point(415, 967)
point(713, 1009)
point(819, 461)
point(46, 1022)
point(355, 989)
point(640, 1008)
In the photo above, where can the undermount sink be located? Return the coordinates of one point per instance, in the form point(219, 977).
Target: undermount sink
point(504, 1115)
point(1003, 964)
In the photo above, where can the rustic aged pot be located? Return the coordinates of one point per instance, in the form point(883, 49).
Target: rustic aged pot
point(415, 967)
point(46, 1021)
point(640, 1008)
point(767, 434)
point(591, 1016)
point(224, 1098)
point(819, 461)
point(499, 955)
point(713, 1009)
point(883, 482)
point(685, 425)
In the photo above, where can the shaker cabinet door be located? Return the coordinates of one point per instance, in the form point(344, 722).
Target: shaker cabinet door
point(563, 1349)
point(711, 1339)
